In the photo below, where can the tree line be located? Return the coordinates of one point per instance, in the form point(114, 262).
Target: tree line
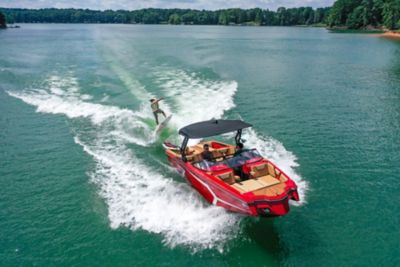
point(234, 16)
point(364, 14)
point(351, 14)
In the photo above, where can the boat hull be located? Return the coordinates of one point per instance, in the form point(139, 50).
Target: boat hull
point(218, 193)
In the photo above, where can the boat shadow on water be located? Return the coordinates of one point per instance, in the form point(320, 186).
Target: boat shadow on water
point(264, 234)
point(273, 236)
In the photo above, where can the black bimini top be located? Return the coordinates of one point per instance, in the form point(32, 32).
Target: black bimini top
point(212, 128)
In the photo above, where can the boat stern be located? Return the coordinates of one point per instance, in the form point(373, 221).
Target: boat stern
point(275, 207)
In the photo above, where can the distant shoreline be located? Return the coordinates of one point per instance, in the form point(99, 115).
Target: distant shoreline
point(230, 16)
point(375, 32)
point(371, 32)
point(12, 25)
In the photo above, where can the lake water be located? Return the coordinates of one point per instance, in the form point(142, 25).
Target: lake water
point(84, 182)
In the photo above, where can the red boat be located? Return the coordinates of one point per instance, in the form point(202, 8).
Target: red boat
point(240, 180)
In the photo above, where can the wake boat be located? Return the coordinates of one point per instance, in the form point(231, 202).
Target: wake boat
point(240, 181)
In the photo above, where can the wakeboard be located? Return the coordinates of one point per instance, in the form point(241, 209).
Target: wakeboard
point(163, 124)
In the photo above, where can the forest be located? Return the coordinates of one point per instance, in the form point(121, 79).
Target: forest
point(234, 16)
point(346, 14)
point(364, 14)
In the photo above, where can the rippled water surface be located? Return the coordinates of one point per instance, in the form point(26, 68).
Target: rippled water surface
point(84, 181)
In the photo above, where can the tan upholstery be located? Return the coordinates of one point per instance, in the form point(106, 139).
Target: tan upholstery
point(248, 186)
point(216, 153)
point(190, 157)
point(223, 150)
point(220, 152)
point(259, 170)
point(271, 170)
point(194, 157)
point(271, 191)
point(283, 177)
point(267, 180)
point(227, 177)
point(194, 153)
point(239, 188)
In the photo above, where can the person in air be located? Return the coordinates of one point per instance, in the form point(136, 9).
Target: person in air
point(156, 109)
point(206, 154)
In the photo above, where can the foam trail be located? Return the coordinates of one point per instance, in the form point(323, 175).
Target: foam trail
point(137, 196)
point(140, 198)
point(63, 97)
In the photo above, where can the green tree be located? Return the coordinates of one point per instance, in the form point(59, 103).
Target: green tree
point(223, 19)
point(391, 14)
point(356, 19)
point(307, 16)
point(319, 15)
point(174, 19)
point(2, 21)
point(258, 17)
point(242, 18)
point(281, 15)
point(341, 10)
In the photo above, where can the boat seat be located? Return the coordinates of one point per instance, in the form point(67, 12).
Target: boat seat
point(282, 177)
point(248, 186)
point(267, 180)
point(262, 169)
point(223, 151)
point(220, 152)
point(227, 177)
point(259, 170)
point(271, 169)
point(194, 157)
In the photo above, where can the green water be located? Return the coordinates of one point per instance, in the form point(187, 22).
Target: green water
point(84, 182)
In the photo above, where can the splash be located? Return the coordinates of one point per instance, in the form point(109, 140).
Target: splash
point(196, 99)
point(140, 198)
point(137, 196)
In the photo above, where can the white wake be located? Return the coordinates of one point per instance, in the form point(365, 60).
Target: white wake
point(138, 196)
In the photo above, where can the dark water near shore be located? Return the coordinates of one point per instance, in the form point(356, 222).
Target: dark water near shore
point(84, 182)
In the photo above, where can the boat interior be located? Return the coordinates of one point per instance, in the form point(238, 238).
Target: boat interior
point(258, 176)
point(219, 151)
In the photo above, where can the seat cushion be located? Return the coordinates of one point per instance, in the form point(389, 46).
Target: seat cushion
point(227, 177)
point(259, 170)
point(271, 170)
point(248, 185)
point(268, 180)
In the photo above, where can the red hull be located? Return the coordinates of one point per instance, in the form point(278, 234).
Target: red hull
point(219, 193)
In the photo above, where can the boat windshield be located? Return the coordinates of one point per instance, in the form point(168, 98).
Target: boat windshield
point(244, 156)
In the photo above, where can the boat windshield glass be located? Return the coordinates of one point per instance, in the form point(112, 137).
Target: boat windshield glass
point(244, 156)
